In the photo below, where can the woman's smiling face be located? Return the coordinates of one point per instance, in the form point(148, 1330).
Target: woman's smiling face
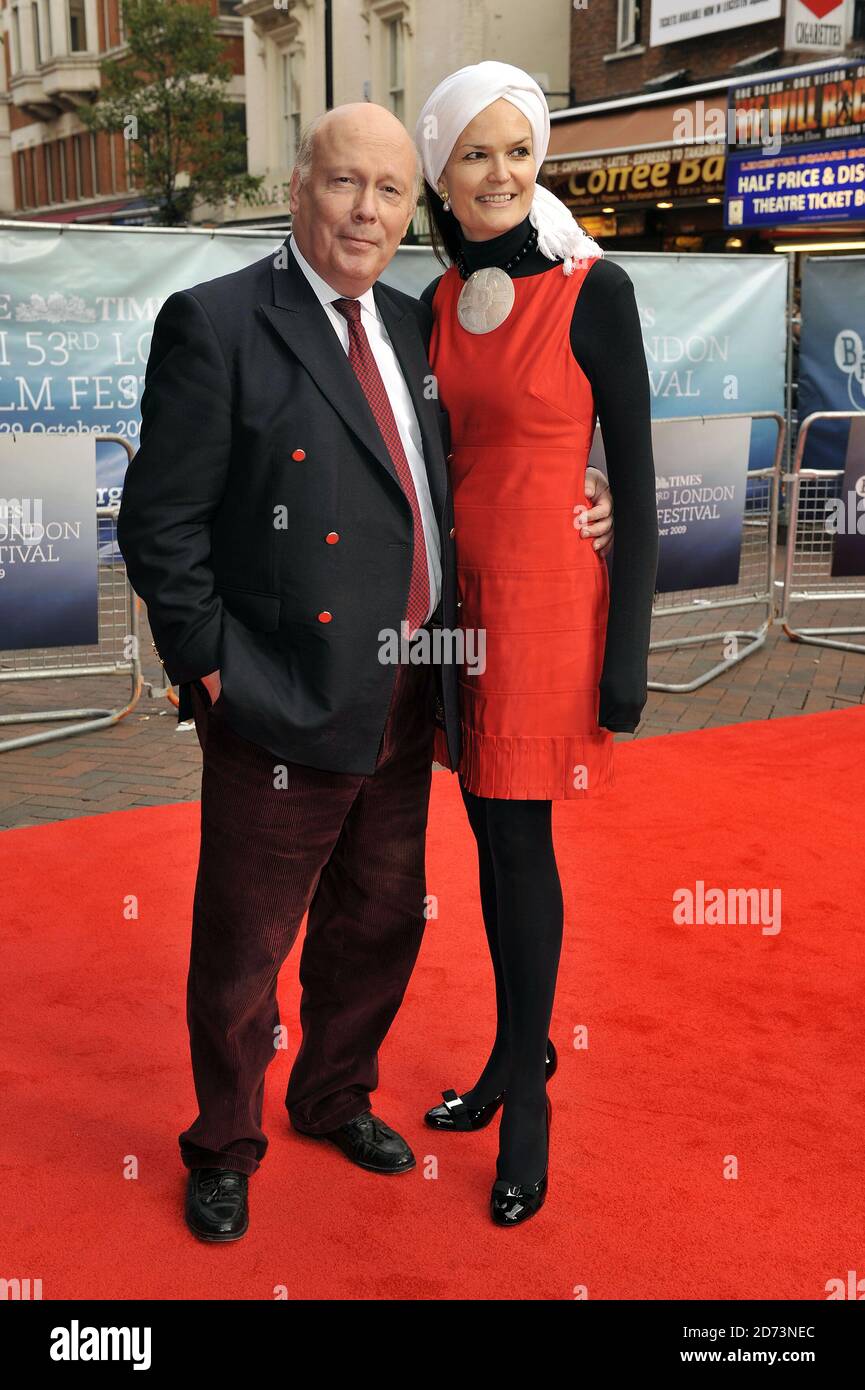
point(490, 175)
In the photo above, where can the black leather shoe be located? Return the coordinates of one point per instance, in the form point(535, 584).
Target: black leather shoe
point(455, 1115)
point(217, 1203)
point(372, 1144)
point(513, 1203)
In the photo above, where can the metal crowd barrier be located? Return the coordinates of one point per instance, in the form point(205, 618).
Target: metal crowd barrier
point(807, 571)
point(115, 653)
point(755, 585)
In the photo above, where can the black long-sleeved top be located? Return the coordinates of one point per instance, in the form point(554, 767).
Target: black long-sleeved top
point(607, 342)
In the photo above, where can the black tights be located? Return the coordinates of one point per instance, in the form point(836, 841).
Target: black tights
point(521, 899)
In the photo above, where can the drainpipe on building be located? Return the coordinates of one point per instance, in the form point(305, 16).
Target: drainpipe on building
point(328, 55)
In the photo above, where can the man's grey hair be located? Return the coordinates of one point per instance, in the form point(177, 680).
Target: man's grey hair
point(303, 159)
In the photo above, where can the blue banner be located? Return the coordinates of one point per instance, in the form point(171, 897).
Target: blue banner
point(76, 319)
point(48, 567)
point(804, 183)
point(831, 354)
point(847, 516)
point(77, 310)
point(715, 335)
point(701, 470)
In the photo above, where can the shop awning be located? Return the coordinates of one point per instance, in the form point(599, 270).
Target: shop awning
point(657, 123)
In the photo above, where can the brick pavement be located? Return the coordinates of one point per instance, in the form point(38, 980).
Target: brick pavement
point(145, 761)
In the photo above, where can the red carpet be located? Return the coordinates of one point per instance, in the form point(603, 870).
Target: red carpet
point(705, 1042)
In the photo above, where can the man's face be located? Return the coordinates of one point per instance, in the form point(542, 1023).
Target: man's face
point(352, 210)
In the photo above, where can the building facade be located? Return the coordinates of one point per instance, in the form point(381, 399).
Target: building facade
point(291, 60)
point(302, 56)
point(641, 158)
point(52, 168)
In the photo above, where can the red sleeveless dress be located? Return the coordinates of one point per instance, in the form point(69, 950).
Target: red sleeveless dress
point(522, 420)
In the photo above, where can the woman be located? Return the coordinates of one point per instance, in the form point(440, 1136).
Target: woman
point(534, 333)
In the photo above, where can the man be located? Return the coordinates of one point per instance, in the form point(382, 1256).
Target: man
point(288, 503)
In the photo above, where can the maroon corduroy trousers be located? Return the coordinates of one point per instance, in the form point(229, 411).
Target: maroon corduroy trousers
point(277, 839)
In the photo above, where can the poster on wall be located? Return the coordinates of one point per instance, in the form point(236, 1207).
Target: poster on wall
point(818, 26)
point(49, 583)
point(809, 183)
point(796, 149)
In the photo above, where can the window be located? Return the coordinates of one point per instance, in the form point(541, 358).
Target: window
point(859, 20)
point(76, 161)
point(290, 107)
point(94, 166)
point(629, 23)
point(236, 116)
point(16, 44)
point(77, 27)
point(49, 174)
point(395, 67)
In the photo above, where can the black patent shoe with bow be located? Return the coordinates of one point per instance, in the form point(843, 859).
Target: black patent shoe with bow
point(455, 1115)
point(217, 1203)
point(512, 1203)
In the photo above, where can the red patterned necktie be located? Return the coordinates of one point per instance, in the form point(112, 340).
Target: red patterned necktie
point(360, 356)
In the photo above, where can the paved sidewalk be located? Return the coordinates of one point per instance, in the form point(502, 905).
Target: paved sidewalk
point(145, 761)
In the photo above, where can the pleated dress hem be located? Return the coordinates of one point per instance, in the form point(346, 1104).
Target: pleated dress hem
point(532, 769)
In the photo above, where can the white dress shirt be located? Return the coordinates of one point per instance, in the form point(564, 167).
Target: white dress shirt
point(400, 401)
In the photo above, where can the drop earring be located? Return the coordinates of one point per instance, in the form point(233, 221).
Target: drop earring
point(446, 204)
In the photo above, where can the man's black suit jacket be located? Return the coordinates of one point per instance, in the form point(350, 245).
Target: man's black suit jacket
point(257, 443)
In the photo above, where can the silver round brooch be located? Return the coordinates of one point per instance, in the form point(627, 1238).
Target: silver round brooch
point(486, 299)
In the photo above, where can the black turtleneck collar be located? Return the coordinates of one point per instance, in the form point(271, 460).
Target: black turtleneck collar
point(497, 250)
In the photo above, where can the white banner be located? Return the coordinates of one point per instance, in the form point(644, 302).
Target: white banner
point(818, 26)
point(674, 20)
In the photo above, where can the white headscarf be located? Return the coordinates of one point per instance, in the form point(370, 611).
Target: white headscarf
point(457, 100)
